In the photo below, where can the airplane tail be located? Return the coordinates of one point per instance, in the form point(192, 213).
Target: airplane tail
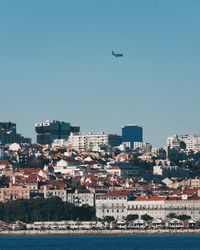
point(113, 53)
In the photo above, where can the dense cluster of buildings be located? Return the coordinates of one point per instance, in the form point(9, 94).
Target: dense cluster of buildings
point(119, 175)
point(189, 142)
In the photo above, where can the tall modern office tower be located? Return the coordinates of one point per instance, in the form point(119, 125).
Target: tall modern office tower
point(132, 135)
point(9, 135)
point(48, 131)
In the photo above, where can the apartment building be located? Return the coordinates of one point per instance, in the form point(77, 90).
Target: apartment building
point(113, 204)
point(53, 192)
point(90, 141)
point(119, 204)
point(192, 141)
point(161, 207)
point(14, 192)
point(82, 197)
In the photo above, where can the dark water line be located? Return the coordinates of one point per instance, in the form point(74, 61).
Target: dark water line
point(103, 242)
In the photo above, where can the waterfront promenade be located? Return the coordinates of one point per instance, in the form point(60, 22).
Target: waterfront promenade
point(99, 232)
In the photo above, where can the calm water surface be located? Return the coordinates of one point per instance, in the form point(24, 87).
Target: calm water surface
point(135, 242)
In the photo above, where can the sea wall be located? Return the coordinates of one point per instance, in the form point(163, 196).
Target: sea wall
point(99, 232)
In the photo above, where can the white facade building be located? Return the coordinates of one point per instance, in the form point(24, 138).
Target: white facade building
point(14, 147)
point(160, 207)
point(59, 143)
point(119, 206)
point(112, 204)
point(192, 141)
point(80, 141)
point(82, 197)
point(49, 193)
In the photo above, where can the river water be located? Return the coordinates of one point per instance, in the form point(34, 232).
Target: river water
point(102, 242)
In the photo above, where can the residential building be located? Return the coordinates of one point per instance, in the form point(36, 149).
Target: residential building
point(5, 164)
point(192, 142)
point(161, 207)
point(113, 204)
point(90, 141)
point(82, 197)
point(125, 170)
point(52, 192)
point(119, 204)
point(69, 168)
point(192, 182)
point(153, 206)
point(14, 192)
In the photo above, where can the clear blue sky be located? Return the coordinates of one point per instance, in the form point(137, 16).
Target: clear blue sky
point(56, 63)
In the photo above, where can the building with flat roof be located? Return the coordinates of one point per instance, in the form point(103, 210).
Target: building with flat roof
point(132, 135)
point(9, 135)
point(48, 131)
point(91, 141)
point(192, 142)
point(14, 192)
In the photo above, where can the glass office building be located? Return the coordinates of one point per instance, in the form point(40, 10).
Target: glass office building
point(9, 135)
point(132, 134)
point(48, 131)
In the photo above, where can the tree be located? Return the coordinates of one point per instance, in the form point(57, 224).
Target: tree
point(108, 219)
point(131, 217)
point(2, 211)
point(4, 181)
point(171, 215)
point(52, 209)
point(68, 210)
point(40, 209)
point(146, 217)
point(84, 213)
point(16, 210)
point(184, 217)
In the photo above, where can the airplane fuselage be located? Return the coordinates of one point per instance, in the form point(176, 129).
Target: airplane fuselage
point(117, 55)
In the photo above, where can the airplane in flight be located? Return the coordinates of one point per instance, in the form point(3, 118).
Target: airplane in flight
point(116, 55)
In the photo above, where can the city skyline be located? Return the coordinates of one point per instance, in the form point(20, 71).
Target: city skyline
point(56, 63)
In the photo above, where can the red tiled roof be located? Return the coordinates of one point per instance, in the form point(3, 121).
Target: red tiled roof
point(191, 191)
point(32, 179)
point(83, 191)
point(114, 168)
point(4, 162)
point(152, 198)
point(30, 170)
point(57, 184)
point(123, 192)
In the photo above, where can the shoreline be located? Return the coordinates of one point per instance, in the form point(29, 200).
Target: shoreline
point(98, 232)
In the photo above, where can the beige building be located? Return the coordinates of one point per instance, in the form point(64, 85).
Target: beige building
point(112, 204)
point(153, 206)
point(193, 183)
point(14, 192)
point(119, 206)
point(88, 141)
point(52, 192)
point(160, 207)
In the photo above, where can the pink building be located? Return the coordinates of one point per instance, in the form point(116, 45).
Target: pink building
point(14, 192)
